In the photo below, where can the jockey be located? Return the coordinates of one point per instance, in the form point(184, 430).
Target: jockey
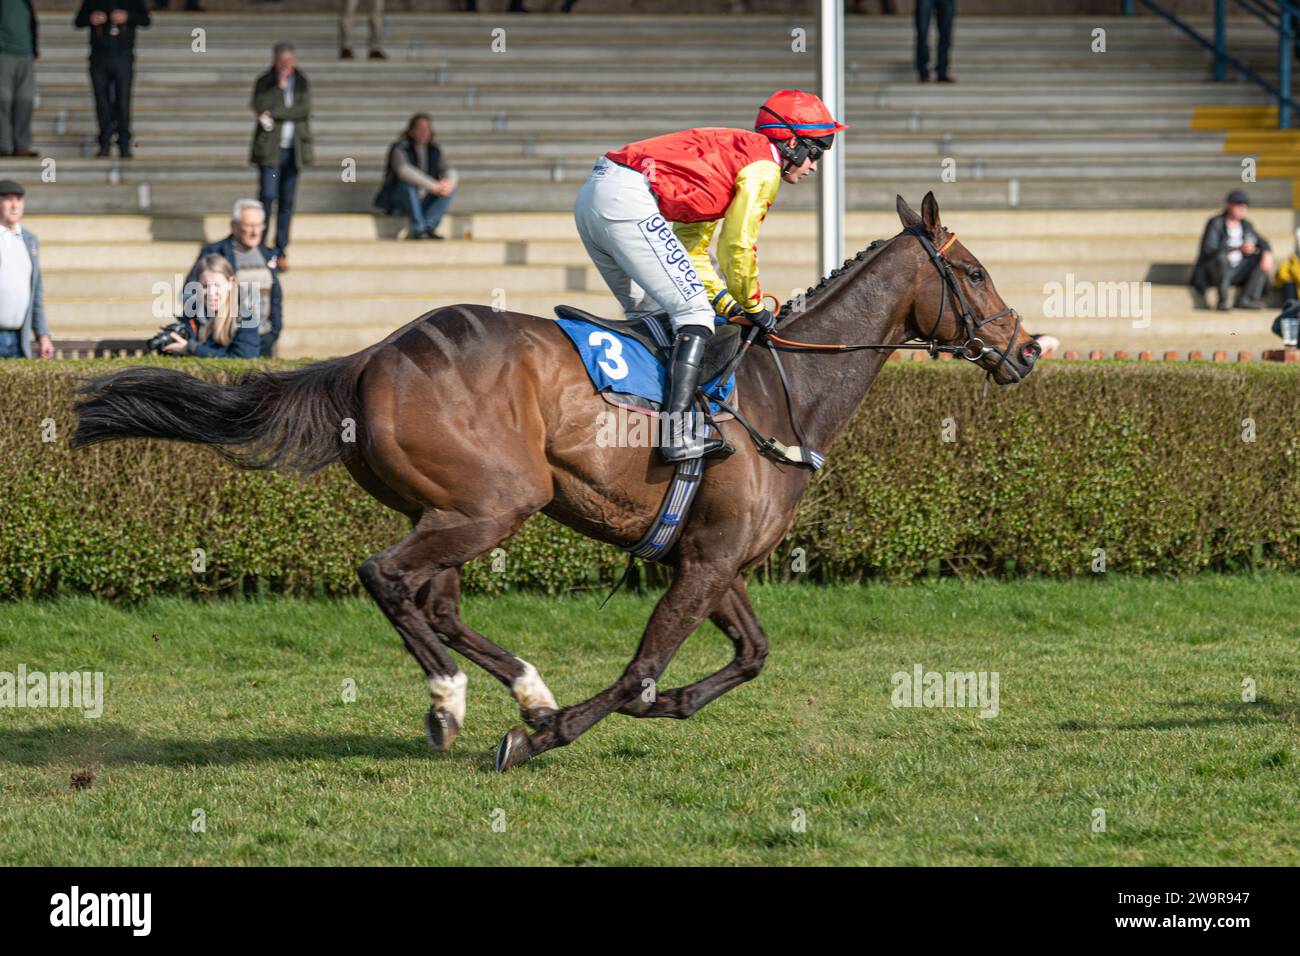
point(650, 209)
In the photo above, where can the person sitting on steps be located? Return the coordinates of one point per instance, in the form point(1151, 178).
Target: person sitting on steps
point(647, 215)
point(417, 179)
point(1233, 253)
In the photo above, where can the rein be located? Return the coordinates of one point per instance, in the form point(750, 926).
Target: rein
point(973, 350)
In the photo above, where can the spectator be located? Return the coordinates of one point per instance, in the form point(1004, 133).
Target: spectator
point(225, 328)
point(112, 26)
point(255, 269)
point(22, 293)
point(1232, 253)
point(18, 52)
point(417, 180)
point(1287, 325)
point(944, 11)
point(376, 25)
point(1288, 274)
point(282, 141)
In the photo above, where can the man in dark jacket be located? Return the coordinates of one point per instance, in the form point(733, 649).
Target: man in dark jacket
point(112, 25)
point(282, 142)
point(255, 268)
point(417, 180)
point(18, 53)
point(1232, 253)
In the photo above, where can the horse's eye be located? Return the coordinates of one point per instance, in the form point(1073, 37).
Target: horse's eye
point(977, 276)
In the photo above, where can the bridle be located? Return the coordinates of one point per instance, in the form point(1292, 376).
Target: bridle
point(973, 350)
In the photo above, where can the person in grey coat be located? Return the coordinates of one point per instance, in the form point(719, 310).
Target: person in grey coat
point(22, 293)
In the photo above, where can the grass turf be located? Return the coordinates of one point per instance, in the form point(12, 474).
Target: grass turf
point(1118, 694)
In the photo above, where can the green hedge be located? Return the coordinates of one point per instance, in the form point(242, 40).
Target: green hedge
point(1144, 460)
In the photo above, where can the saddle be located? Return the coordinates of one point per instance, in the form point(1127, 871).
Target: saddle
point(655, 332)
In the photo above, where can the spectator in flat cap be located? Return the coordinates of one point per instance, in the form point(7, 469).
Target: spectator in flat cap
point(22, 294)
point(1233, 253)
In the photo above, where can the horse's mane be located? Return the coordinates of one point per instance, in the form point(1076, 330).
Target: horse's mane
point(866, 255)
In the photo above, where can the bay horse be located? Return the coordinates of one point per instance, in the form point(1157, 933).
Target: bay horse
point(469, 420)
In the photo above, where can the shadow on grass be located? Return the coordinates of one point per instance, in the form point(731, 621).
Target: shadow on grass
point(110, 745)
point(1229, 713)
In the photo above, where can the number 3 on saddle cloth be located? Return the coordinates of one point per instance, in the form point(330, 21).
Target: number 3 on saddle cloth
point(628, 365)
point(627, 359)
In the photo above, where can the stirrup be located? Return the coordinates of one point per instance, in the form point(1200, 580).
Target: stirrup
point(676, 445)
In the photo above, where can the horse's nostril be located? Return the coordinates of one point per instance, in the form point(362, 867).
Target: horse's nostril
point(1030, 352)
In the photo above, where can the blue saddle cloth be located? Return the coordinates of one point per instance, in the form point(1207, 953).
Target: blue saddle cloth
point(622, 365)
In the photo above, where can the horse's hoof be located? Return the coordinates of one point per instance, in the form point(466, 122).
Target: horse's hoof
point(538, 717)
point(441, 728)
point(514, 749)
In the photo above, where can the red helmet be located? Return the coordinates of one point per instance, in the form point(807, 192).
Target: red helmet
point(790, 113)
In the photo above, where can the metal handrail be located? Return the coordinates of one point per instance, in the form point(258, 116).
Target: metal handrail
point(1288, 20)
point(1272, 15)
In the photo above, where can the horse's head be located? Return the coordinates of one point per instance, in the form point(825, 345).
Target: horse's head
point(954, 302)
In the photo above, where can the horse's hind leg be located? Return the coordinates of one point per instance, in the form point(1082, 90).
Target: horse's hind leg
point(416, 583)
point(735, 617)
point(442, 605)
point(690, 598)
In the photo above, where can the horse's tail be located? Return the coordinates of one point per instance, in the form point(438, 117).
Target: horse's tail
point(284, 421)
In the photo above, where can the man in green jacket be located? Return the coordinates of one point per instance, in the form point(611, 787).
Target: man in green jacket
point(281, 140)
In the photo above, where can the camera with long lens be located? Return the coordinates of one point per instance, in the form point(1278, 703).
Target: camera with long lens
point(164, 337)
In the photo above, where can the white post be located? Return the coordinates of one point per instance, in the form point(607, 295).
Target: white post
point(830, 171)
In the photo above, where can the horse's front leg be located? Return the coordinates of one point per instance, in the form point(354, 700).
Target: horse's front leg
point(735, 617)
point(695, 590)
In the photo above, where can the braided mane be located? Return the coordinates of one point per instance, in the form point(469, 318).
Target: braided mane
point(863, 256)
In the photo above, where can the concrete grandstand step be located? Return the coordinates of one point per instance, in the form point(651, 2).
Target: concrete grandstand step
point(1034, 103)
point(1019, 227)
point(482, 281)
point(168, 257)
point(988, 194)
point(107, 319)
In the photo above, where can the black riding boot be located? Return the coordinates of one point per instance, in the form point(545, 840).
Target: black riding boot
point(679, 439)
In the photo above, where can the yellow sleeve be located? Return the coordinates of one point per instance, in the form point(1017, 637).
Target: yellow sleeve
point(695, 237)
point(756, 187)
point(1289, 270)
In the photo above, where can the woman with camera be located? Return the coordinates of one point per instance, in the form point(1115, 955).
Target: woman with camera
point(219, 327)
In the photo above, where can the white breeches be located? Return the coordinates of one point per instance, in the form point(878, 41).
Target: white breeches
point(630, 242)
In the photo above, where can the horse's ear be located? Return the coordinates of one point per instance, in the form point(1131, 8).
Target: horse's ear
point(930, 213)
point(906, 213)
